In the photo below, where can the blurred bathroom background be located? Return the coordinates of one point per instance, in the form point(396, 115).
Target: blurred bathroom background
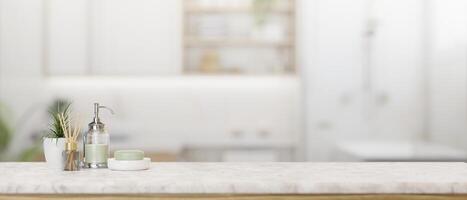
point(241, 80)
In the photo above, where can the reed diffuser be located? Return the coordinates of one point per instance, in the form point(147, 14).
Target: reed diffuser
point(70, 154)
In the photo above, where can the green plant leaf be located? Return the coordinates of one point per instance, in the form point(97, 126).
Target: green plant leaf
point(31, 153)
point(57, 108)
point(6, 132)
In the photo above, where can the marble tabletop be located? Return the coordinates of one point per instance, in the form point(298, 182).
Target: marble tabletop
point(241, 178)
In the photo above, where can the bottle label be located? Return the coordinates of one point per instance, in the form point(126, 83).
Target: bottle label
point(96, 153)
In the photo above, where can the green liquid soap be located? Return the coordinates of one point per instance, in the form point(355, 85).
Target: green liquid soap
point(96, 153)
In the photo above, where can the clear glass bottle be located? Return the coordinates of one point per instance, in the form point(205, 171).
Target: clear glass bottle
point(96, 142)
point(71, 157)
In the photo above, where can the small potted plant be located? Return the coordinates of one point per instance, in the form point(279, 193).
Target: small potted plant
point(264, 28)
point(262, 10)
point(54, 141)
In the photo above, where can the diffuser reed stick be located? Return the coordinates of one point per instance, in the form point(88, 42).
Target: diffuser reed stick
point(71, 154)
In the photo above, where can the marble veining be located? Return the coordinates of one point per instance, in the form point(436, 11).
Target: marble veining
point(241, 178)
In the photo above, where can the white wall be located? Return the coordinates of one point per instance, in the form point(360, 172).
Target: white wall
point(20, 60)
point(66, 26)
point(117, 37)
point(448, 72)
point(138, 37)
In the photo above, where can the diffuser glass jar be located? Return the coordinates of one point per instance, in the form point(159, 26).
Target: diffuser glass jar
point(71, 157)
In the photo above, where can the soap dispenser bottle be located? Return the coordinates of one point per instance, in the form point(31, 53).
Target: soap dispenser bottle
point(96, 142)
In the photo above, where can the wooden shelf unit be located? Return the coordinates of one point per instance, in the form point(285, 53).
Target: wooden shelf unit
point(198, 9)
point(191, 41)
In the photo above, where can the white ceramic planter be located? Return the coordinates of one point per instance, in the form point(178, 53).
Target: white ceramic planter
point(53, 148)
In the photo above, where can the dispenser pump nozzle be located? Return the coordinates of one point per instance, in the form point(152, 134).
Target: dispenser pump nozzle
point(97, 107)
point(96, 112)
point(97, 121)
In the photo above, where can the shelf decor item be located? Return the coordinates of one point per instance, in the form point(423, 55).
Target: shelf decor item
point(54, 141)
point(129, 160)
point(70, 154)
point(261, 10)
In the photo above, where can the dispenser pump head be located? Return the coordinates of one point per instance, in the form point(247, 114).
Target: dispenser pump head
point(96, 123)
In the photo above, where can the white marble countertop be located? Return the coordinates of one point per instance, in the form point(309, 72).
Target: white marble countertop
point(241, 178)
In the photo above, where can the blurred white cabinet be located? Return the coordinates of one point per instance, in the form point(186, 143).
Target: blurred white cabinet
point(363, 78)
point(112, 37)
